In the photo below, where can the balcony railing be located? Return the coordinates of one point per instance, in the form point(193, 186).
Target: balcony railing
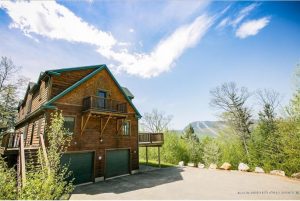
point(10, 140)
point(151, 139)
point(104, 104)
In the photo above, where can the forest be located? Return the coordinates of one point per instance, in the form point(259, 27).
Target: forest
point(270, 141)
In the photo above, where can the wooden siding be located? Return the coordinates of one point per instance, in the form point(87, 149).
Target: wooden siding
point(101, 81)
point(66, 79)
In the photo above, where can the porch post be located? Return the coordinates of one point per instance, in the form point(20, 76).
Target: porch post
point(146, 155)
point(159, 156)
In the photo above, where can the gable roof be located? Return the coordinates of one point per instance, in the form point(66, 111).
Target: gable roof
point(97, 68)
point(128, 93)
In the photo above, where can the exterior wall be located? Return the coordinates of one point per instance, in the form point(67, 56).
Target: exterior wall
point(34, 101)
point(66, 79)
point(71, 105)
point(39, 126)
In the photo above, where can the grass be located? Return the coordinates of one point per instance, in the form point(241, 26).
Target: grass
point(155, 163)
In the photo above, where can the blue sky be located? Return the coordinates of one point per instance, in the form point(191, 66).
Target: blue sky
point(170, 54)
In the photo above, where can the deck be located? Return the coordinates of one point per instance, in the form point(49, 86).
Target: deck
point(151, 139)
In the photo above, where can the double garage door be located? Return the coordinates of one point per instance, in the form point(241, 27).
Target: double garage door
point(82, 164)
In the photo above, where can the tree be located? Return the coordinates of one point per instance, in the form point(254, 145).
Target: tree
point(156, 121)
point(189, 134)
point(231, 99)
point(211, 151)
point(50, 183)
point(11, 85)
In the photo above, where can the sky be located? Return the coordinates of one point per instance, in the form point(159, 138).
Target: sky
point(170, 54)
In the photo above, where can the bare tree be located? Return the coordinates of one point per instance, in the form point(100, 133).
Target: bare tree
point(156, 121)
point(269, 100)
point(7, 72)
point(231, 99)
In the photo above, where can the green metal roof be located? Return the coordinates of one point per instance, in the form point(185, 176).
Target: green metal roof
point(98, 69)
point(128, 93)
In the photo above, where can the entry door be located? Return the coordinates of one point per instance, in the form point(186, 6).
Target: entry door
point(117, 162)
point(102, 99)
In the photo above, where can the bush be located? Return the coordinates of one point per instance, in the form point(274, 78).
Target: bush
point(8, 183)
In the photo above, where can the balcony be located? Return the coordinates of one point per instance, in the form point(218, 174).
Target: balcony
point(151, 139)
point(96, 103)
point(10, 140)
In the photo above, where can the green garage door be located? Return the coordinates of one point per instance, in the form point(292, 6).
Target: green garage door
point(81, 165)
point(117, 162)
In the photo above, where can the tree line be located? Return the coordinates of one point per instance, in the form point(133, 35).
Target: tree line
point(266, 139)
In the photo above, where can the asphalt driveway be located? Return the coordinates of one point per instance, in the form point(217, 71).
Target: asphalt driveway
point(191, 183)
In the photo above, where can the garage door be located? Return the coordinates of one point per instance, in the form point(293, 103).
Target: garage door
point(117, 162)
point(81, 164)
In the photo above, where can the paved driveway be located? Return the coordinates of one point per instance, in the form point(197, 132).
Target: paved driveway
point(191, 183)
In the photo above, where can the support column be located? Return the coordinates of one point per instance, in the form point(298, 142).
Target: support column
point(146, 155)
point(159, 157)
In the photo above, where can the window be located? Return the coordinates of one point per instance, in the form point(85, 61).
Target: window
point(69, 124)
point(126, 128)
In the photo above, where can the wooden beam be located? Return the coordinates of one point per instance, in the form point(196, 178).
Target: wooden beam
point(146, 155)
point(22, 161)
point(102, 130)
point(44, 152)
point(159, 157)
point(88, 117)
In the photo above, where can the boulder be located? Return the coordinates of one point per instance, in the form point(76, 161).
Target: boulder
point(201, 165)
point(277, 172)
point(213, 166)
point(296, 175)
point(243, 167)
point(226, 166)
point(191, 164)
point(259, 170)
point(181, 163)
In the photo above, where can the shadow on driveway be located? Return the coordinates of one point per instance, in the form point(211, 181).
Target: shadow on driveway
point(132, 182)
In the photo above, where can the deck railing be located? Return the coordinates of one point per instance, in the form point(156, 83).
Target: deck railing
point(10, 140)
point(104, 104)
point(151, 138)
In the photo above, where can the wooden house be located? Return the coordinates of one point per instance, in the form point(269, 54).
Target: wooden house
point(98, 113)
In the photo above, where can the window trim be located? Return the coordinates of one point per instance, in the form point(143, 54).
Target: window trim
point(74, 116)
point(129, 123)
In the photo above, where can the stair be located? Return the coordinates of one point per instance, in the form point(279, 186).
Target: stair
point(31, 158)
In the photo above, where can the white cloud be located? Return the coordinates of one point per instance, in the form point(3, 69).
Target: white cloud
point(165, 53)
point(243, 13)
point(252, 27)
point(52, 20)
point(131, 30)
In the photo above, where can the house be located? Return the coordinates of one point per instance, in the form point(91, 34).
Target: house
point(98, 113)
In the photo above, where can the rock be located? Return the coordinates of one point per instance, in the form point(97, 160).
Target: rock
point(213, 166)
point(201, 166)
point(259, 170)
point(296, 175)
point(181, 163)
point(278, 172)
point(226, 166)
point(243, 167)
point(191, 164)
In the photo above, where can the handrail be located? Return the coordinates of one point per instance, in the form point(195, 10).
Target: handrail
point(151, 138)
point(104, 104)
point(10, 140)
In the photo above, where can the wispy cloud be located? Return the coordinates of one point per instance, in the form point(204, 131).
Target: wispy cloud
point(165, 53)
point(244, 12)
point(252, 27)
point(54, 21)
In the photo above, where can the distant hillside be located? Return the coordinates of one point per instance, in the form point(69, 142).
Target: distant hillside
point(207, 128)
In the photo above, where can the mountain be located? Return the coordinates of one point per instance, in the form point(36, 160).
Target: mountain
point(207, 128)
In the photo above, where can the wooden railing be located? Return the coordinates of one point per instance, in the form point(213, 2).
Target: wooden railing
point(10, 140)
point(104, 104)
point(151, 138)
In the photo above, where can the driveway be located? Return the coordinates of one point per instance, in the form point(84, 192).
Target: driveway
point(191, 183)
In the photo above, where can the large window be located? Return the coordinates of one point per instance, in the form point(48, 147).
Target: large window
point(126, 128)
point(69, 124)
